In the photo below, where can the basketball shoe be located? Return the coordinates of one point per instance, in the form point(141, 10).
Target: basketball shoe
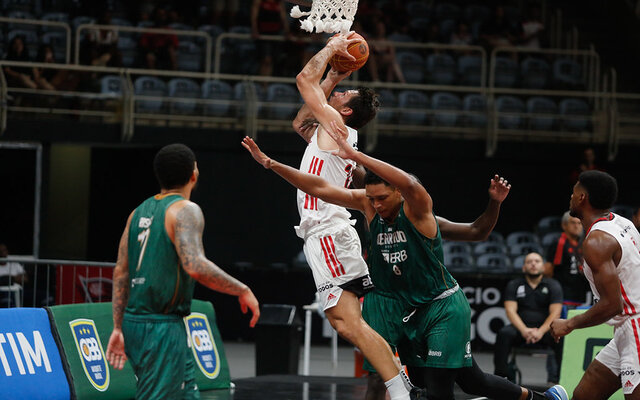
point(556, 392)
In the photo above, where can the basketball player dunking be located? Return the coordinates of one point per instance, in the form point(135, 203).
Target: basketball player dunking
point(611, 251)
point(331, 244)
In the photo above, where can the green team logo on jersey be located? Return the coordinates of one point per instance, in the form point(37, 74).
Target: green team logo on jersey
point(85, 335)
point(202, 344)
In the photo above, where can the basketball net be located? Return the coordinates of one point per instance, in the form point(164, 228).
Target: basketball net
point(330, 16)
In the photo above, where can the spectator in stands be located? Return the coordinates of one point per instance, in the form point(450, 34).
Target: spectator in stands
point(498, 31)
point(224, 12)
point(564, 262)
point(531, 303)
point(268, 17)
point(11, 270)
point(101, 45)
point(588, 163)
point(462, 35)
point(18, 76)
point(159, 49)
point(532, 29)
point(43, 77)
point(382, 58)
point(432, 34)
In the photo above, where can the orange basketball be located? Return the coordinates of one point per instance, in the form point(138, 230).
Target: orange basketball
point(360, 50)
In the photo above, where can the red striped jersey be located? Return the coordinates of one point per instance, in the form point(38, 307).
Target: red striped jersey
point(628, 268)
point(337, 171)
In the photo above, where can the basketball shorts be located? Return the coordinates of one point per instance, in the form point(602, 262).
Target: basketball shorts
point(334, 254)
point(157, 347)
point(436, 335)
point(622, 354)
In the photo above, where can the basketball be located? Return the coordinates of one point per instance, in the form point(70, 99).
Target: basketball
point(360, 50)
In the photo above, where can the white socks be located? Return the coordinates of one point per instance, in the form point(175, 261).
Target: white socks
point(397, 389)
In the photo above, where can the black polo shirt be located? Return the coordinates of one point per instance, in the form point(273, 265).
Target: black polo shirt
point(533, 304)
point(566, 257)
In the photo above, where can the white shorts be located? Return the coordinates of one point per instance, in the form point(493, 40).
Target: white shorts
point(335, 257)
point(622, 354)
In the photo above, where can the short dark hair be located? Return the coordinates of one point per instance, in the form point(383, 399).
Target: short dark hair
point(601, 187)
point(173, 165)
point(371, 178)
point(364, 106)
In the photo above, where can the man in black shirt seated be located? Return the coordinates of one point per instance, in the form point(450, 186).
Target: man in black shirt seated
point(531, 302)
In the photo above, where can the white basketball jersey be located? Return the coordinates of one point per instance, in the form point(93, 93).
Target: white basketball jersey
point(337, 171)
point(628, 268)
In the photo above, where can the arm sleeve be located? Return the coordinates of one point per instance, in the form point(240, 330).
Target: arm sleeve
point(510, 291)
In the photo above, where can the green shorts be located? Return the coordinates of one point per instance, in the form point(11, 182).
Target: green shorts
point(435, 335)
point(157, 348)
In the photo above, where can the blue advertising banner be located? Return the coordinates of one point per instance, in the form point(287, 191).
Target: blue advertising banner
point(30, 365)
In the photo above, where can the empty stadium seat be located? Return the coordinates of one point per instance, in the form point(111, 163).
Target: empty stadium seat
point(412, 66)
point(111, 85)
point(214, 31)
point(217, 90)
point(21, 15)
point(541, 105)
point(418, 27)
point(493, 263)
point(149, 86)
point(456, 248)
point(54, 17)
point(388, 101)
point(521, 237)
point(442, 102)
point(180, 27)
point(495, 237)
point(183, 88)
point(81, 20)
point(447, 11)
point(505, 72)
point(129, 50)
point(549, 238)
point(511, 105)
point(535, 73)
point(447, 27)
point(441, 69)
point(282, 93)
point(125, 23)
point(567, 72)
point(400, 37)
point(240, 95)
point(476, 13)
point(518, 262)
point(519, 249)
point(477, 104)
point(575, 114)
point(240, 54)
point(18, 5)
point(418, 9)
point(412, 104)
point(489, 248)
point(189, 56)
point(470, 70)
point(549, 223)
point(459, 263)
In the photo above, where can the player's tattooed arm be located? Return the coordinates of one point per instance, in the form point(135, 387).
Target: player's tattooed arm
point(120, 295)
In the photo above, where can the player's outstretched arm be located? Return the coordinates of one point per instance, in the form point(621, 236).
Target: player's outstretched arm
point(479, 229)
point(188, 228)
point(305, 123)
point(598, 251)
point(115, 349)
point(311, 184)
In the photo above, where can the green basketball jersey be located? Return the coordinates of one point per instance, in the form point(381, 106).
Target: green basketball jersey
point(159, 284)
point(404, 263)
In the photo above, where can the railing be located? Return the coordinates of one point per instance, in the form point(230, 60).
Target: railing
point(204, 35)
point(53, 282)
point(60, 25)
point(252, 113)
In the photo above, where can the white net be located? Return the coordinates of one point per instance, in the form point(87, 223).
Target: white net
point(330, 16)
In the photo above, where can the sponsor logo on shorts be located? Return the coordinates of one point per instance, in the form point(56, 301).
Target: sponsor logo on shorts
point(366, 281)
point(467, 350)
point(627, 372)
point(203, 345)
point(325, 286)
point(331, 296)
point(434, 353)
point(94, 363)
point(628, 384)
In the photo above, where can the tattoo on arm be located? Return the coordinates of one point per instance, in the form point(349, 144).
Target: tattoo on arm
point(188, 242)
point(120, 295)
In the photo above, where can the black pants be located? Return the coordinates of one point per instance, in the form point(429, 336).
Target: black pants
point(509, 336)
point(439, 383)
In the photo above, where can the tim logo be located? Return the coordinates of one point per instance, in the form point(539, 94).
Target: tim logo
point(202, 344)
point(91, 354)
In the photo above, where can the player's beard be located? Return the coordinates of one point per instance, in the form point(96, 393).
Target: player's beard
point(533, 276)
